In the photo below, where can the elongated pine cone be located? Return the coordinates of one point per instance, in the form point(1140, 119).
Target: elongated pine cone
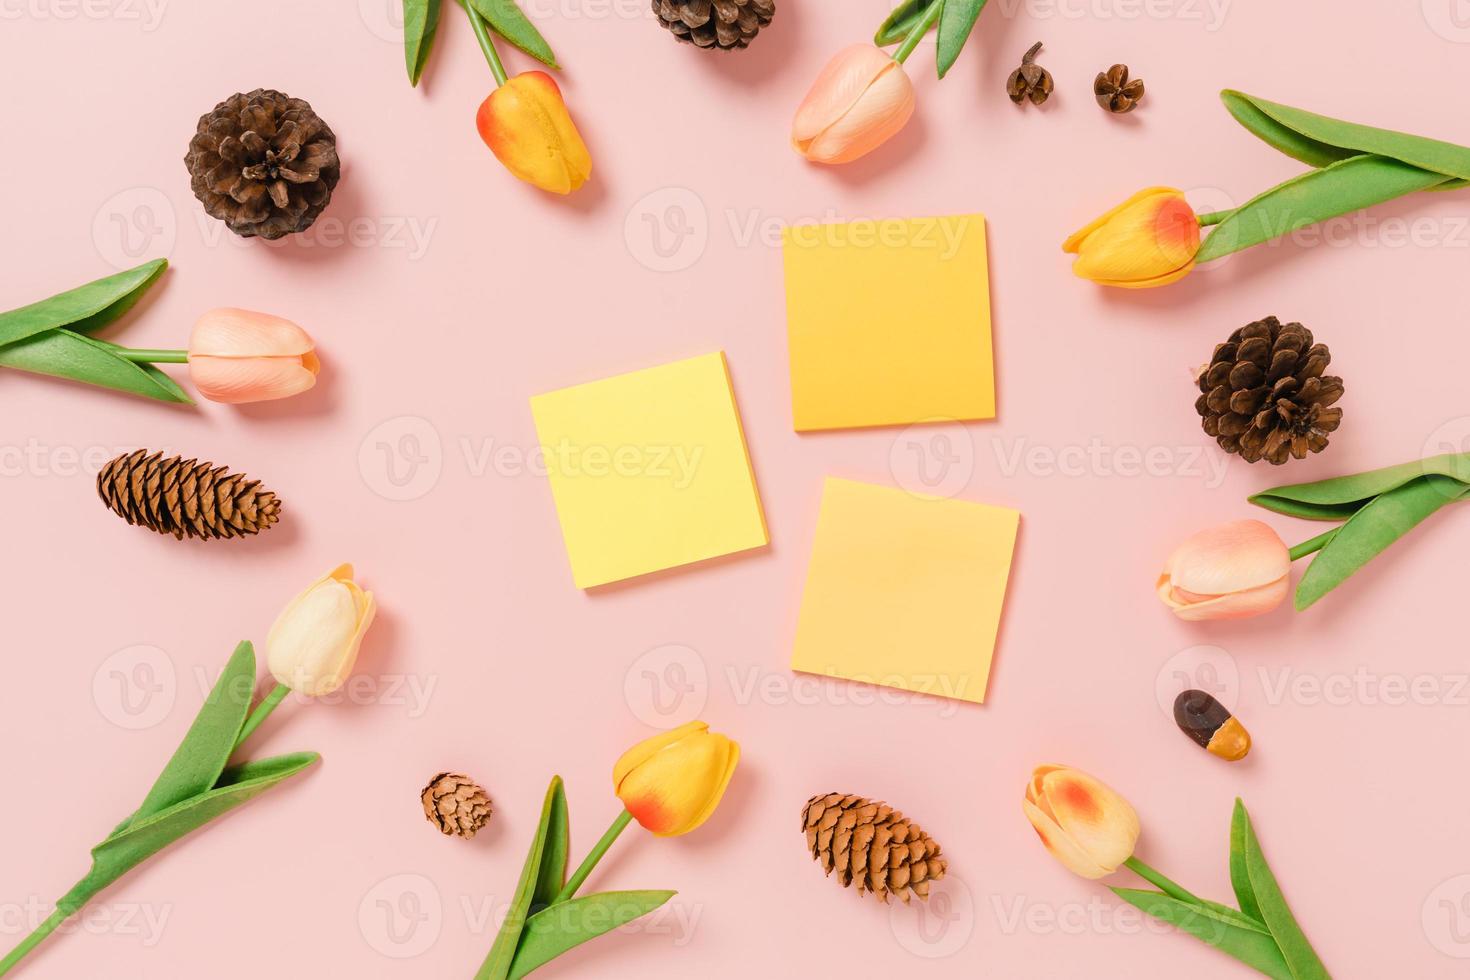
point(723, 24)
point(456, 804)
point(185, 497)
point(871, 843)
point(1265, 396)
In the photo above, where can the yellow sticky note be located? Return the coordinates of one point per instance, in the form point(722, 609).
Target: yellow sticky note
point(888, 322)
point(905, 591)
point(649, 470)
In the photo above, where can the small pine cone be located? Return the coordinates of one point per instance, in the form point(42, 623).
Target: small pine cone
point(185, 497)
point(456, 804)
point(872, 844)
point(1265, 396)
point(724, 24)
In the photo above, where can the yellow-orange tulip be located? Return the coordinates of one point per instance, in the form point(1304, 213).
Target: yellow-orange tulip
point(313, 644)
point(671, 783)
point(1086, 826)
point(1231, 571)
point(526, 124)
point(1150, 239)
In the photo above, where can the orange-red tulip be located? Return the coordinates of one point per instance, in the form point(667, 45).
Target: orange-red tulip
point(526, 124)
point(671, 783)
point(1228, 572)
point(1086, 826)
point(1149, 240)
point(240, 356)
point(859, 101)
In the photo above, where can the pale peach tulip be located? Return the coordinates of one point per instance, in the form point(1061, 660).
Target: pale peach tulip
point(1228, 572)
point(238, 356)
point(860, 100)
point(1086, 825)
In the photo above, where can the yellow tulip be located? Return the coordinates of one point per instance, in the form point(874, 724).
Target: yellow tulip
point(671, 783)
point(313, 645)
point(1086, 826)
point(1150, 239)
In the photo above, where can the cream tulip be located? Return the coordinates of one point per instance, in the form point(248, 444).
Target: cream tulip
point(313, 645)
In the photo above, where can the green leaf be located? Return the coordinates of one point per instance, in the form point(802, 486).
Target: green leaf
point(85, 308)
point(506, 19)
point(1372, 529)
point(1253, 947)
point(420, 24)
point(64, 354)
point(1343, 187)
point(502, 953)
point(901, 22)
point(1321, 140)
point(956, 21)
point(1290, 939)
point(552, 874)
point(1239, 878)
point(1341, 497)
point(553, 931)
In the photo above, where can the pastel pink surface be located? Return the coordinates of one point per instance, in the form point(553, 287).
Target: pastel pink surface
point(442, 293)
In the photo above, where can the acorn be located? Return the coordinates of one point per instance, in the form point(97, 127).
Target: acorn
point(1209, 723)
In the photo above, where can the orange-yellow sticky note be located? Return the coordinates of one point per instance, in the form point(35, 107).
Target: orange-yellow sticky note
point(888, 322)
point(649, 470)
point(905, 591)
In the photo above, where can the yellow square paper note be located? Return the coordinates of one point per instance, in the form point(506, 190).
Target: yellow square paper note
point(649, 470)
point(888, 322)
point(905, 591)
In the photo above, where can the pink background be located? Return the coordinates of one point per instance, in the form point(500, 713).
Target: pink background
point(486, 659)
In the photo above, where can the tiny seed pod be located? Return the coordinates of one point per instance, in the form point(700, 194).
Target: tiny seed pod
point(1206, 720)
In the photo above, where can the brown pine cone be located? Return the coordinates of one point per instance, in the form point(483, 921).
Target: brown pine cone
point(871, 843)
point(178, 496)
point(456, 804)
point(263, 163)
point(1265, 396)
point(724, 24)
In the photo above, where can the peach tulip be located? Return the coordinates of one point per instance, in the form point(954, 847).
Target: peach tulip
point(239, 356)
point(1149, 240)
point(671, 783)
point(1228, 572)
point(861, 99)
point(526, 124)
point(1086, 826)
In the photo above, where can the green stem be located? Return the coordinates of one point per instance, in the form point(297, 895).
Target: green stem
point(917, 34)
point(144, 356)
point(1214, 217)
point(33, 940)
point(482, 34)
point(262, 712)
point(1163, 884)
point(1313, 546)
point(593, 856)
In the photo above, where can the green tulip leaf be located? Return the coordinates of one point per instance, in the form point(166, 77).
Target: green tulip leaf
point(85, 308)
point(1322, 141)
point(420, 24)
point(502, 953)
point(552, 874)
point(1239, 877)
point(1292, 942)
point(1339, 498)
point(956, 21)
point(551, 932)
point(1252, 946)
point(507, 20)
point(61, 353)
point(1340, 188)
point(901, 22)
point(1370, 531)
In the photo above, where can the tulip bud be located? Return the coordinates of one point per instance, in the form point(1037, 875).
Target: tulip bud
point(671, 783)
point(1228, 572)
point(313, 645)
point(1086, 826)
point(1149, 240)
point(859, 101)
point(238, 356)
point(526, 124)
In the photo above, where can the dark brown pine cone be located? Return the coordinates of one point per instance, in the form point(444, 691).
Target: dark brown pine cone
point(724, 24)
point(263, 163)
point(1265, 396)
point(872, 844)
point(456, 804)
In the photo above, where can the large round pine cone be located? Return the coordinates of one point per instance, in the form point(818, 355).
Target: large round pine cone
point(724, 24)
point(871, 843)
point(263, 163)
point(1265, 396)
point(178, 496)
point(456, 804)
